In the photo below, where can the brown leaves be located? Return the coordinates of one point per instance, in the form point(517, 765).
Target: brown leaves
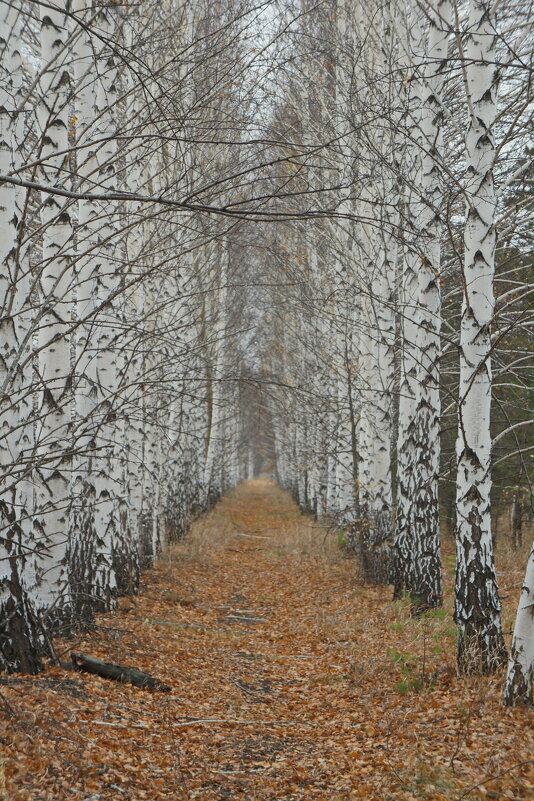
point(287, 683)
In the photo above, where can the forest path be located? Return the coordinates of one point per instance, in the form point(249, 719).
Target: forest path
point(290, 681)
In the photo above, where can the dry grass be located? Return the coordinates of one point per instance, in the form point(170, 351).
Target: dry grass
point(296, 536)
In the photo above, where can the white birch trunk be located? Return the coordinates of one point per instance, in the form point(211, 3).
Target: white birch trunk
point(376, 380)
point(519, 676)
point(478, 608)
point(82, 537)
point(54, 443)
point(345, 467)
point(219, 327)
point(19, 637)
point(96, 521)
point(418, 569)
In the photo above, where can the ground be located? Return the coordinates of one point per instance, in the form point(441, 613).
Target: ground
point(290, 680)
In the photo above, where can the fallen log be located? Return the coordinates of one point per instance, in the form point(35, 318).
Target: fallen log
point(125, 675)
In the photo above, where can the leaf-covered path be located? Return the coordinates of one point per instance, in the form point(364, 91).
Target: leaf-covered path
point(290, 680)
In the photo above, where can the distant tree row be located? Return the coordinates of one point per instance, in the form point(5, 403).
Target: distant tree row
point(409, 320)
point(120, 306)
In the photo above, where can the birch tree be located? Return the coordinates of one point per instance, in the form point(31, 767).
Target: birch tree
point(518, 685)
point(19, 632)
point(417, 537)
point(478, 607)
point(54, 444)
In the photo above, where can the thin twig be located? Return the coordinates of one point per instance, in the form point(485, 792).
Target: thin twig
point(114, 725)
point(263, 698)
point(239, 722)
point(494, 778)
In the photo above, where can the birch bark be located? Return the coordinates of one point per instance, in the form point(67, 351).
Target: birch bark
point(418, 569)
point(520, 673)
point(54, 443)
point(82, 535)
point(376, 255)
point(19, 635)
point(477, 608)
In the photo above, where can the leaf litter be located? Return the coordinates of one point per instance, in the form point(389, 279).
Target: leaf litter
point(290, 680)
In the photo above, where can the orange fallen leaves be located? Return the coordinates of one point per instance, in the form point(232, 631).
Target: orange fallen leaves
point(353, 712)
